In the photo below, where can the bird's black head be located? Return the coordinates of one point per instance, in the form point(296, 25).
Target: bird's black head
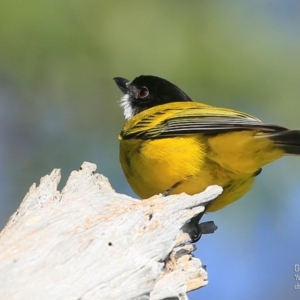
point(147, 91)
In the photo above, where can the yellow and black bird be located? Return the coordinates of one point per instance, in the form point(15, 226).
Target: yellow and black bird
point(171, 144)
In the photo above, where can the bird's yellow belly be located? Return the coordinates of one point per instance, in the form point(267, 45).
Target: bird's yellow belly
point(154, 167)
point(195, 162)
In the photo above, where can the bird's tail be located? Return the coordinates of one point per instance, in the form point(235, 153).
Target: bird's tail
point(287, 140)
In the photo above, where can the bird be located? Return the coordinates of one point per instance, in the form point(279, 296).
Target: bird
point(171, 144)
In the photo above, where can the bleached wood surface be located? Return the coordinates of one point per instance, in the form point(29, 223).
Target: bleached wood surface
point(87, 242)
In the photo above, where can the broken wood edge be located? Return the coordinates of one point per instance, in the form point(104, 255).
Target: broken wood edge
point(173, 269)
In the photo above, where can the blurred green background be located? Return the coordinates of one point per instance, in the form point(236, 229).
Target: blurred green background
point(59, 107)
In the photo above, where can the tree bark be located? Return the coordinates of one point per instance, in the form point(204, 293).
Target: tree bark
point(88, 242)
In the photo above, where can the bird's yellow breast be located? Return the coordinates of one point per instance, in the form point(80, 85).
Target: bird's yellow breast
point(196, 161)
point(153, 166)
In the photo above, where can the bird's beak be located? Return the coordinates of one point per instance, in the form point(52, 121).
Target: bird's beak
point(122, 84)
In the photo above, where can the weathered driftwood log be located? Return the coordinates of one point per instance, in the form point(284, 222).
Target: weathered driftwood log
point(87, 242)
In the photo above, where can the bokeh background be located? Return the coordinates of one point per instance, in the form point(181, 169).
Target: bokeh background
point(59, 107)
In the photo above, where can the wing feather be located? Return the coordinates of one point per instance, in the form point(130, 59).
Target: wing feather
point(186, 118)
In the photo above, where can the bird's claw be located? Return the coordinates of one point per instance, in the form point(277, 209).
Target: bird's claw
point(196, 230)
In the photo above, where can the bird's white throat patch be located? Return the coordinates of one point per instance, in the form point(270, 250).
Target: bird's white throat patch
point(125, 103)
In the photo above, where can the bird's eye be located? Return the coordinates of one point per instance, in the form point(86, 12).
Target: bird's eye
point(143, 92)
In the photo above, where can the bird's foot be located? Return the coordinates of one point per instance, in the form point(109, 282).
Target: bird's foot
point(196, 230)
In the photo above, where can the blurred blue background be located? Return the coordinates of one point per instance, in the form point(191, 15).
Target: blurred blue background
point(59, 107)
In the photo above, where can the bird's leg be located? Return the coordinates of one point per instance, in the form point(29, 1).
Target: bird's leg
point(171, 189)
point(195, 229)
